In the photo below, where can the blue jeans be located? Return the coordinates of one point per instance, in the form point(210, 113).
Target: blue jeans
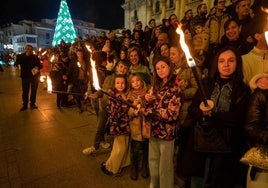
point(101, 126)
point(161, 166)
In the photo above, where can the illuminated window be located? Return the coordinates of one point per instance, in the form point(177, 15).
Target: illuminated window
point(30, 40)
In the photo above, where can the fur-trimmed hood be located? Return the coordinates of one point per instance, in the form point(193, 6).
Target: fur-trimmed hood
point(253, 81)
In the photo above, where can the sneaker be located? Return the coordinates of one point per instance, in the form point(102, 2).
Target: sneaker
point(105, 145)
point(89, 151)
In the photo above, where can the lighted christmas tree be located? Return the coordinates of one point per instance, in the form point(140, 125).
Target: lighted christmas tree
point(64, 27)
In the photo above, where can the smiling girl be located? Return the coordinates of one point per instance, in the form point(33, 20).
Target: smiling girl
point(119, 128)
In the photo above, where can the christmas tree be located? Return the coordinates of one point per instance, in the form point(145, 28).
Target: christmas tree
point(64, 30)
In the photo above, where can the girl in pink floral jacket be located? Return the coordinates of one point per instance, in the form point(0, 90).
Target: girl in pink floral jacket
point(162, 110)
point(119, 128)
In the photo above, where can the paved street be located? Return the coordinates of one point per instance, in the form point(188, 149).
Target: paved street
point(42, 148)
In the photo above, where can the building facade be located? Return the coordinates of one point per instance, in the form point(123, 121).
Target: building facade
point(20, 41)
point(144, 10)
point(13, 37)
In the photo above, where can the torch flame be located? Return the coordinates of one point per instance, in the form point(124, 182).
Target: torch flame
point(49, 84)
point(185, 48)
point(95, 75)
point(266, 36)
point(44, 52)
point(94, 71)
point(88, 48)
point(52, 58)
point(78, 64)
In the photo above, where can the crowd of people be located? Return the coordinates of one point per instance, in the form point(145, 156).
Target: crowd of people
point(147, 73)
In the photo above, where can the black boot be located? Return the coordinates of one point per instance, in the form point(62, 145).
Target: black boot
point(145, 167)
point(135, 146)
point(134, 172)
point(145, 170)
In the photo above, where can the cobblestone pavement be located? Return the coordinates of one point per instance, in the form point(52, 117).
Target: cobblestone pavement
point(41, 148)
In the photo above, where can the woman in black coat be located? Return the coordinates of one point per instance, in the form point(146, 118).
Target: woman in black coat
point(257, 131)
point(230, 96)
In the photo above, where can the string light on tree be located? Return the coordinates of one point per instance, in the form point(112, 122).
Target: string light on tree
point(64, 26)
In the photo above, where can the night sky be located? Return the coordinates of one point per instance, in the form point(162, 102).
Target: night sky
point(106, 14)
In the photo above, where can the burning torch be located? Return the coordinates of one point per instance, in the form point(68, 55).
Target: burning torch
point(49, 84)
point(97, 85)
point(206, 105)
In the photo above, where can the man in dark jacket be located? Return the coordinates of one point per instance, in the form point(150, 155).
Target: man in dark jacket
point(201, 16)
point(30, 66)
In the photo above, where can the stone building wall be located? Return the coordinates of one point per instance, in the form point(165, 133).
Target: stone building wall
point(144, 10)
